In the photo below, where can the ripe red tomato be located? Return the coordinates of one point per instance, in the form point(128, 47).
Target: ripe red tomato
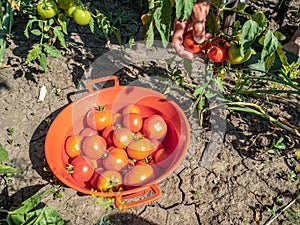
point(138, 176)
point(107, 135)
point(161, 155)
point(131, 109)
point(109, 180)
point(218, 51)
point(122, 137)
point(99, 118)
point(81, 168)
point(155, 127)
point(73, 145)
point(88, 132)
point(94, 146)
point(139, 149)
point(116, 160)
point(94, 178)
point(191, 45)
point(133, 121)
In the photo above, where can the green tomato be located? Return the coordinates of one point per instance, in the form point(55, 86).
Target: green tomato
point(47, 9)
point(81, 16)
point(70, 10)
point(235, 57)
point(64, 4)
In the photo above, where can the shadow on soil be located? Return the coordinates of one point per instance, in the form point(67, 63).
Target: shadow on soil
point(127, 218)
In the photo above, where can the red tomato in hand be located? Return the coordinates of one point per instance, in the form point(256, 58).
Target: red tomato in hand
point(81, 168)
point(155, 127)
point(94, 146)
point(109, 180)
point(138, 176)
point(133, 121)
point(191, 45)
point(116, 160)
point(73, 145)
point(122, 137)
point(99, 118)
point(139, 149)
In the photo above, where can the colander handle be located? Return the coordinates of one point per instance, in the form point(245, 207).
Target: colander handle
point(89, 84)
point(120, 202)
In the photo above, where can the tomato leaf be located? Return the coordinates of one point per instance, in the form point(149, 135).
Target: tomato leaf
point(269, 48)
point(162, 19)
point(45, 216)
point(52, 50)
point(59, 34)
point(43, 61)
point(92, 25)
point(8, 169)
point(250, 31)
point(33, 53)
point(216, 3)
point(3, 153)
point(148, 29)
point(281, 55)
point(184, 9)
point(269, 61)
point(260, 18)
point(36, 32)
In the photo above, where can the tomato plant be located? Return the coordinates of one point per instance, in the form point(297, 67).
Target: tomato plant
point(94, 146)
point(100, 117)
point(81, 168)
point(47, 8)
point(64, 4)
point(73, 145)
point(81, 16)
point(139, 148)
point(117, 159)
point(122, 137)
point(155, 127)
point(109, 180)
point(138, 176)
point(133, 121)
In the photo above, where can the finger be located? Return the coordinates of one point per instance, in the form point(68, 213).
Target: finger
point(199, 31)
point(200, 11)
point(179, 29)
point(183, 53)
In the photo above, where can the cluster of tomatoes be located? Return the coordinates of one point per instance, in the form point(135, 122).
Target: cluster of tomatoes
point(217, 50)
point(118, 151)
point(49, 8)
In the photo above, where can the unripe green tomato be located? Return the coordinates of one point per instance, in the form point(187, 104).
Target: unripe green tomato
point(81, 16)
point(71, 10)
point(64, 4)
point(235, 57)
point(47, 9)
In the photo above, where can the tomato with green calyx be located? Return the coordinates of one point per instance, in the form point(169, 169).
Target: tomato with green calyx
point(73, 145)
point(64, 4)
point(82, 16)
point(100, 117)
point(47, 8)
point(155, 127)
point(122, 137)
point(139, 148)
point(218, 50)
point(138, 176)
point(235, 56)
point(81, 168)
point(191, 45)
point(116, 160)
point(94, 146)
point(109, 180)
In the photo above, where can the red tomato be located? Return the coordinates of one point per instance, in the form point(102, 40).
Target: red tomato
point(94, 146)
point(73, 145)
point(218, 51)
point(117, 118)
point(107, 135)
point(116, 160)
point(155, 127)
point(138, 176)
point(161, 155)
point(94, 178)
point(131, 109)
point(99, 118)
point(139, 149)
point(191, 45)
point(81, 168)
point(88, 132)
point(109, 180)
point(122, 137)
point(133, 121)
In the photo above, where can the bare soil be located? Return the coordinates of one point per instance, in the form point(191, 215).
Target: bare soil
point(236, 186)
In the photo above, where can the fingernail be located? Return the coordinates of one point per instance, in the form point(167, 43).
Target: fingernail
point(199, 39)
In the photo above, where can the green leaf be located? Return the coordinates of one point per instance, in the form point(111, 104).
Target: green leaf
point(33, 53)
point(57, 31)
point(269, 61)
point(36, 32)
point(92, 25)
point(210, 19)
point(45, 216)
point(269, 48)
point(216, 3)
point(8, 169)
point(52, 50)
point(63, 22)
point(3, 153)
point(280, 36)
point(148, 29)
point(162, 19)
point(281, 55)
point(260, 18)
point(43, 61)
point(250, 31)
point(184, 9)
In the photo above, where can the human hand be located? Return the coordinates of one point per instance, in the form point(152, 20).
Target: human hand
point(196, 22)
